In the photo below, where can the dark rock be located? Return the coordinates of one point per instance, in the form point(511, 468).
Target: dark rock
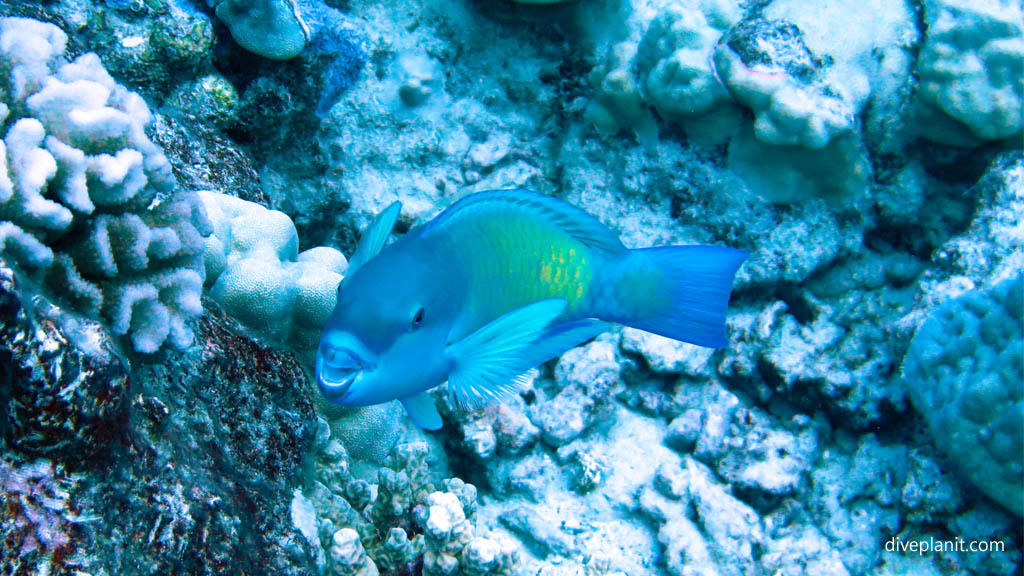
point(203, 158)
point(63, 387)
point(217, 441)
point(185, 464)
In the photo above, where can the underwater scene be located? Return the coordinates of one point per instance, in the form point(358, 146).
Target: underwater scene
point(511, 287)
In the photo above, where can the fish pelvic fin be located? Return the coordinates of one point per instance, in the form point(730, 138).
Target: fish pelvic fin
point(422, 410)
point(680, 292)
point(491, 363)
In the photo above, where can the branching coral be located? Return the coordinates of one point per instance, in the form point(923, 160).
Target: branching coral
point(451, 546)
point(87, 200)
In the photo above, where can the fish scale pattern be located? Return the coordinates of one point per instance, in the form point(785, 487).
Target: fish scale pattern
point(88, 204)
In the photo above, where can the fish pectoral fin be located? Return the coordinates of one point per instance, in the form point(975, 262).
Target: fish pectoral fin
point(374, 237)
point(490, 363)
point(422, 411)
point(559, 338)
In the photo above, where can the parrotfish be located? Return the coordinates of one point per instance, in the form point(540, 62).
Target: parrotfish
point(495, 285)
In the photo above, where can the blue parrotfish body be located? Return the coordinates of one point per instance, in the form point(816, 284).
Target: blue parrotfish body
point(495, 285)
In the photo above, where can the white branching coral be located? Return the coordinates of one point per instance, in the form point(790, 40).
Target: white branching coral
point(451, 545)
point(87, 201)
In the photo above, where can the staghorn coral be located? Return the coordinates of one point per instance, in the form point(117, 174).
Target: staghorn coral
point(87, 200)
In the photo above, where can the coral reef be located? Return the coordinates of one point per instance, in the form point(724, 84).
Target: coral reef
point(217, 442)
point(674, 64)
point(866, 155)
point(88, 200)
point(186, 474)
point(807, 84)
point(270, 28)
point(65, 390)
point(36, 520)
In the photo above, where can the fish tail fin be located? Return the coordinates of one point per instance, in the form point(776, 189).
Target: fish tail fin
point(679, 292)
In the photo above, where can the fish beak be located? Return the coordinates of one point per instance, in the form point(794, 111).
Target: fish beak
point(338, 367)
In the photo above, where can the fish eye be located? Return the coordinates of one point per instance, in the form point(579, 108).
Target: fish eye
point(417, 319)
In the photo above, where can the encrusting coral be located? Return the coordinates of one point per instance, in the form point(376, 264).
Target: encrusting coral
point(36, 520)
point(87, 200)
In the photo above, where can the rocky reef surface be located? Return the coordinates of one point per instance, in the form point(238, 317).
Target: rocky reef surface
point(179, 181)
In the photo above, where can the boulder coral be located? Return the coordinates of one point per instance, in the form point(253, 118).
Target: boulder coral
point(970, 71)
point(255, 271)
point(964, 373)
point(271, 28)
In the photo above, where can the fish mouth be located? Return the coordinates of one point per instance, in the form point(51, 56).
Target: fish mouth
point(336, 370)
point(335, 383)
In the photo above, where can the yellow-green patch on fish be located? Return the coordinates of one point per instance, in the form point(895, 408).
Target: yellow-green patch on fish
point(496, 284)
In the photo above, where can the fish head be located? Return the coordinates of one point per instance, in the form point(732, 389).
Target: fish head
point(386, 337)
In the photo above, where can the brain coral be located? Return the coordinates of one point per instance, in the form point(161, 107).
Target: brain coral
point(87, 201)
point(964, 373)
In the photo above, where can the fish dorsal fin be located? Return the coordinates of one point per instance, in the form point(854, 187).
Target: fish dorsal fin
point(489, 364)
point(422, 411)
point(574, 221)
point(374, 237)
